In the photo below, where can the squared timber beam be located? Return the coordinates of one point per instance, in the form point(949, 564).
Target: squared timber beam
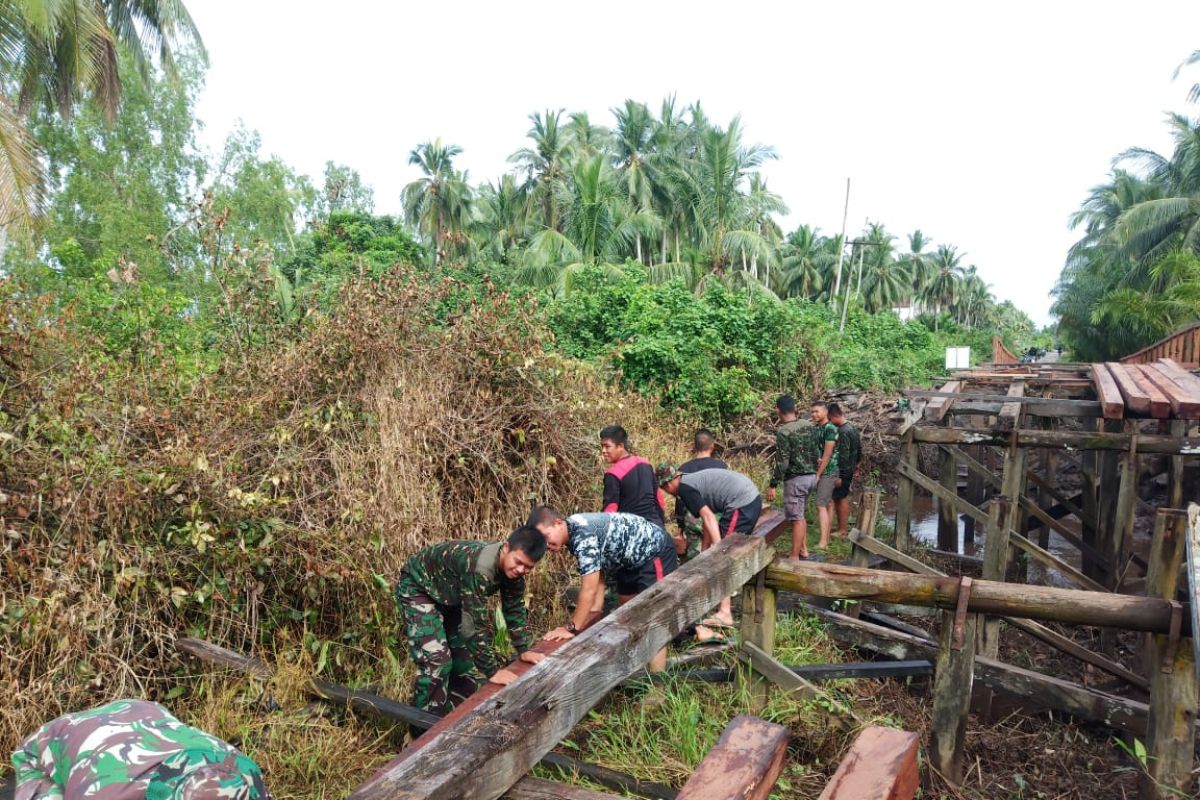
point(744, 764)
point(880, 765)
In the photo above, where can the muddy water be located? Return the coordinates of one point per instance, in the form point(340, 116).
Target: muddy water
point(925, 529)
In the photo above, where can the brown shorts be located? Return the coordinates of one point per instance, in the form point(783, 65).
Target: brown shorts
point(825, 489)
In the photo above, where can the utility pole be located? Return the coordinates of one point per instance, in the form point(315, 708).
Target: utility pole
point(837, 283)
point(862, 245)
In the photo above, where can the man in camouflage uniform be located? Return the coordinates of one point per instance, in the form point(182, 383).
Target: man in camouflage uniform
point(443, 594)
point(849, 453)
point(795, 468)
point(131, 750)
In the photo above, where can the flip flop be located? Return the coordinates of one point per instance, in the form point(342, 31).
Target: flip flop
point(714, 637)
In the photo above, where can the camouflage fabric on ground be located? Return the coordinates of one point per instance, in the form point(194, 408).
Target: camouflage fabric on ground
point(131, 750)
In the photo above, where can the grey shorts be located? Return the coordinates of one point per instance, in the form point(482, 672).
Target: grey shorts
point(825, 489)
point(795, 495)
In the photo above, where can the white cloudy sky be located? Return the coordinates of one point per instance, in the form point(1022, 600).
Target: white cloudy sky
point(982, 124)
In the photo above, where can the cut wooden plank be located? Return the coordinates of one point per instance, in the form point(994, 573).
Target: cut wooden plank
point(1060, 498)
point(1042, 691)
point(944, 495)
point(1010, 412)
point(1186, 380)
point(493, 746)
point(1048, 559)
point(1135, 399)
point(1173, 683)
point(744, 765)
point(536, 789)
point(938, 406)
point(1072, 606)
point(880, 765)
point(1183, 404)
point(1160, 404)
point(1047, 635)
point(1111, 404)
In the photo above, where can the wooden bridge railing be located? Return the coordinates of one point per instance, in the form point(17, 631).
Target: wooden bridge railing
point(1182, 346)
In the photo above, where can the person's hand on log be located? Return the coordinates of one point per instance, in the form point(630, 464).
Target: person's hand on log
point(681, 544)
point(530, 657)
point(559, 634)
point(771, 495)
point(503, 677)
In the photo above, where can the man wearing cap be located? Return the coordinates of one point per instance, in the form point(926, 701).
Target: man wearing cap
point(632, 551)
point(131, 750)
point(725, 501)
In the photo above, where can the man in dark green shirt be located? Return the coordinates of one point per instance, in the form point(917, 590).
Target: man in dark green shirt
point(849, 453)
point(795, 468)
point(443, 594)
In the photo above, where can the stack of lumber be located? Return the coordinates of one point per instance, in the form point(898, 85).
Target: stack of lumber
point(1161, 390)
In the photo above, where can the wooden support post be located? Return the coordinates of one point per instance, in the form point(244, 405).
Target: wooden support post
point(1173, 689)
point(1179, 428)
point(859, 557)
point(758, 629)
point(953, 677)
point(947, 536)
point(1122, 530)
point(744, 765)
point(881, 765)
point(904, 494)
point(493, 746)
point(1045, 498)
point(995, 564)
point(1089, 530)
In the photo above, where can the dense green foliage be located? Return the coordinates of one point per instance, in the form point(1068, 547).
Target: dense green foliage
point(1134, 276)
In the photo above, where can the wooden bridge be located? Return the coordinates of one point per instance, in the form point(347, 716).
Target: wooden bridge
point(1182, 346)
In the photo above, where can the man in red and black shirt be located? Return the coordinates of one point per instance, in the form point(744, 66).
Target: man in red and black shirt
point(629, 484)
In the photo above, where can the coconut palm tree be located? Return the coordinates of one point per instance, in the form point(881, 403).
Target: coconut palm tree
point(1151, 227)
point(59, 52)
point(502, 219)
point(438, 204)
point(918, 261)
point(805, 262)
point(600, 227)
point(633, 144)
point(586, 139)
point(545, 164)
point(974, 299)
point(944, 287)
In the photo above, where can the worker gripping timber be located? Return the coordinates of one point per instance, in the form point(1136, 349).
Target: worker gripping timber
point(443, 594)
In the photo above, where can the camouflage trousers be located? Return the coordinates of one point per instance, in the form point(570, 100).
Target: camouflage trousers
point(446, 675)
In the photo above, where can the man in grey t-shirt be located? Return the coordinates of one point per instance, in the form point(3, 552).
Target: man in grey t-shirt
point(725, 501)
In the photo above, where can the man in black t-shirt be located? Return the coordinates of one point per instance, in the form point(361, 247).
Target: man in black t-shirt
point(704, 443)
point(629, 485)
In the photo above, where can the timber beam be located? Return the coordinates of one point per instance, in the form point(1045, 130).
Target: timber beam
point(880, 765)
point(744, 764)
point(1067, 440)
point(1072, 606)
point(493, 746)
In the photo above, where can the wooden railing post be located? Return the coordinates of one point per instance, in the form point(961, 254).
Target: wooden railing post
point(904, 495)
point(758, 628)
point(1170, 731)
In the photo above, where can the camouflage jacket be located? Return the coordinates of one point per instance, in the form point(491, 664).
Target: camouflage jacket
point(795, 453)
point(849, 447)
point(465, 574)
point(822, 434)
point(131, 750)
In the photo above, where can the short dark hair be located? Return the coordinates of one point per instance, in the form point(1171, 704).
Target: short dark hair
point(834, 410)
point(542, 515)
point(786, 403)
point(820, 404)
point(703, 440)
point(615, 434)
point(529, 541)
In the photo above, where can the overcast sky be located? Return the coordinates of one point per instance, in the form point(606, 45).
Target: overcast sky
point(984, 126)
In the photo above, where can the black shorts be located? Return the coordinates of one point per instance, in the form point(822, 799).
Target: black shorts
point(638, 579)
point(843, 491)
point(741, 520)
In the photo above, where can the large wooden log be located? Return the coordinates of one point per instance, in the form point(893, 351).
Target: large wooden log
point(1103, 609)
point(388, 709)
point(492, 747)
point(1040, 691)
point(880, 765)
point(744, 764)
point(1078, 440)
point(1173, 684)
point(1035, 629)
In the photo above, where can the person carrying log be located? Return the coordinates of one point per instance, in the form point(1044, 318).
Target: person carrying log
point(634, 552)
point(131, 750)
point(443, 595)
point(629, 481)
point(725, 502)
point(796, 469)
